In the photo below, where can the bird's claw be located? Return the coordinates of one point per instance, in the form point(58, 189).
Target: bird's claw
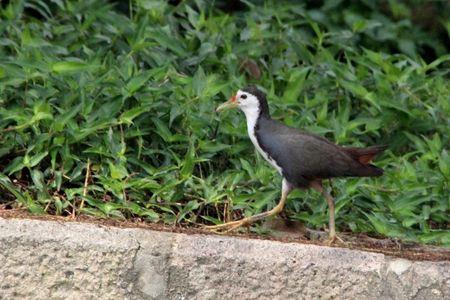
point(333, 238)
point(225, 227)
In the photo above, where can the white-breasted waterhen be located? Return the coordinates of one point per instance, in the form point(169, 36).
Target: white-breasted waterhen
point(303, 159)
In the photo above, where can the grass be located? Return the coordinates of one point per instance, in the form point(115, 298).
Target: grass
point(107, 109)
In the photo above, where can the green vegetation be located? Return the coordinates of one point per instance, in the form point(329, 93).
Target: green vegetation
point(130, 91)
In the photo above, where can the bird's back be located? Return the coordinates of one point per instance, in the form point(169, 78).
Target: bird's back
point(304, 157)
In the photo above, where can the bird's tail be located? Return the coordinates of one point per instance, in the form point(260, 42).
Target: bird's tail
point(364, 156)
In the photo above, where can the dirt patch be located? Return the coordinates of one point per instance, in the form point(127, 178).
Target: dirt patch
point(278, 229)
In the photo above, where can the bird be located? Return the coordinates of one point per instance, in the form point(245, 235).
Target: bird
point(303, 159)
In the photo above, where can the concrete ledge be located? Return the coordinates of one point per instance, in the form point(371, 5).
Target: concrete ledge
point(53, 260)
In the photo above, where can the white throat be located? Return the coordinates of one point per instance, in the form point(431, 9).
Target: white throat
point(252, 115)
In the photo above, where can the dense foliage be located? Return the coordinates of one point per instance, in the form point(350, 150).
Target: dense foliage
point(108, 109)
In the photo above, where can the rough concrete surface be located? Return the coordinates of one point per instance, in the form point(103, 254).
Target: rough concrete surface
point(53, 260)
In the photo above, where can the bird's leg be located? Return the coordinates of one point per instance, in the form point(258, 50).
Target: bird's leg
point(331, 223)
point(285, 190)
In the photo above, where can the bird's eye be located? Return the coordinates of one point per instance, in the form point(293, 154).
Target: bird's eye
point(243, 96)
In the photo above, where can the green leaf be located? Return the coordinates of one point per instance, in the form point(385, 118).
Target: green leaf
point(360, 91)
point(162, 130)
point(188, 162)
point(128, 116)
point(33, 161)
point(137, 82)
point(444, 163)
point(167, 40)
point(295, 84)
point(38, 179)
point(117, 171)
point(72, 67)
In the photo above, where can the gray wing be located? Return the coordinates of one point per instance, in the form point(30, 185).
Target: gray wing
point(304, 156)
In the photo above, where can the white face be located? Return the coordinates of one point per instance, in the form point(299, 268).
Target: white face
point(248, 103)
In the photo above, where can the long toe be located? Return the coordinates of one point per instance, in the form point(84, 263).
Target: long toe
point(236, 226)
point(225, 226)
point(333, 239)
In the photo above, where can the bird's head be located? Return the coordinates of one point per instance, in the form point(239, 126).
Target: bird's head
point(249, 100)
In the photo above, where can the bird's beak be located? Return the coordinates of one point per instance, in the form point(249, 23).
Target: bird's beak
point(232, 103)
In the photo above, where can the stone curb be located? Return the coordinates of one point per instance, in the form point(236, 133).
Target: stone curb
point(64, 260)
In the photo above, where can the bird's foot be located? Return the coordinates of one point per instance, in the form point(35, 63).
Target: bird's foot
point(333, 238)
point(226, 227)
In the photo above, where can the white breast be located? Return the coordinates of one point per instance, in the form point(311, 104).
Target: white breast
point(252, 117)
